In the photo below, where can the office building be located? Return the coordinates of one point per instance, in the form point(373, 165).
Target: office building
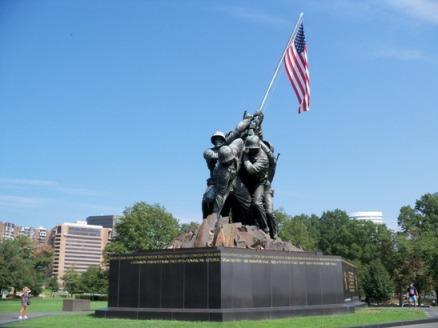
point(40, 235)
point(26, 231)
point(106, 221)
point(8, 230)
point(373, 216)
point(77, 246)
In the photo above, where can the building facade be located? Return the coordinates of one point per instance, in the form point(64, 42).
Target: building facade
point(106, 221)
point(40, 235)
point(77, 246)
point(373, 216)
point(9, 230)
point(26, 231)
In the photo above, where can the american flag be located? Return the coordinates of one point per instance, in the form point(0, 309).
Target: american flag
point(297, 69)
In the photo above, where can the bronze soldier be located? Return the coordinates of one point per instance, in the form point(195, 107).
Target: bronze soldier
point(268, 148)
point(226, 172)
point(254, 173)
point(219, 139)
point(211, 156)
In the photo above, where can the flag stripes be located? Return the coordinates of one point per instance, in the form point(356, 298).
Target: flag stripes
point(297, 69)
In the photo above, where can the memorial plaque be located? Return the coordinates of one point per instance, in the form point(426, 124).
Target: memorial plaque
point(219, 284)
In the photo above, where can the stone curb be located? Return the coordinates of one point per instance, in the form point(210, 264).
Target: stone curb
point(398, 323)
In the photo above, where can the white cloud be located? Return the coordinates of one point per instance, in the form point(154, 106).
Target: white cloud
point(100, 209)
point(346, 9)
point(28, 182)
point(425, 10)
point(7, 201)
point(420, 10)
point(399, 53)
point(79, 191)
point(8, 183)
point(254, 16)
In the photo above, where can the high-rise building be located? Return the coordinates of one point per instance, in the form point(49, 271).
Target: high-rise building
point(106, 221)
point(26, 231)
point(373, 216)
point(8, 230)
point(40, 235)
point(77, 246)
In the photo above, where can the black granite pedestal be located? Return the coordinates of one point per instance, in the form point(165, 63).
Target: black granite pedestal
point(219, 284)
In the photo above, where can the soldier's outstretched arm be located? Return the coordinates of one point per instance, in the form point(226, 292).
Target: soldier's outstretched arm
point(210, 157)
point(266, 149)
point(238, 130)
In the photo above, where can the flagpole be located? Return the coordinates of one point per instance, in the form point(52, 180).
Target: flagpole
point(292, 37)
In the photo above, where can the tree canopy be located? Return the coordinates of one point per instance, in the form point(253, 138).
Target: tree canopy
point(93, 281)
point(418, 241)
point(143, 227)
point(387, 261)
point(24, 263)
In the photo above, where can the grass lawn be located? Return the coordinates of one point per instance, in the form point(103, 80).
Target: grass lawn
point(38, 304)
point(361, 317)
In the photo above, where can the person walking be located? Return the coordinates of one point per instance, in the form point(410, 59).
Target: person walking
point(25, 302)
point(412, 294)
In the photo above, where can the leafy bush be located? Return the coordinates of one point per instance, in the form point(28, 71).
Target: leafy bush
point(376, 282)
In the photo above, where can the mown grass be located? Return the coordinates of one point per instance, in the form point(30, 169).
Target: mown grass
point(361, 317)
point(38, 304)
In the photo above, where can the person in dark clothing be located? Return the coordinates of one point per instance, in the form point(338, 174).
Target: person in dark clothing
point(412, 294)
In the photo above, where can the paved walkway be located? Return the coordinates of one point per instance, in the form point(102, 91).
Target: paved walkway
point(6, 318)
point(432, 315)
point(424, 325)
point(432, 312)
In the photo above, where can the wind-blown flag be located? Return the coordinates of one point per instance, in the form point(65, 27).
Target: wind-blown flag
point(297, 69)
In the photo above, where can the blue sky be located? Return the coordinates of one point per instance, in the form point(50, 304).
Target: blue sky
point(104, 103)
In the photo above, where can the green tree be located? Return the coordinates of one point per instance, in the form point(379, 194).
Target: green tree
point(369, 241)
point(143, 227)
point(335, 237)
point(301, 231)
point(43, 257)
point(21, 265)
point(72, 282)
point(187, 227)
point(402, 272)
point(410, 267)
point(358, 241)
point(281, 216)
point(375, 282)
point(52, 284)
point(94, 280)
point(420, 228)
point(10, 263)
point(422, 218)
point(36, 264)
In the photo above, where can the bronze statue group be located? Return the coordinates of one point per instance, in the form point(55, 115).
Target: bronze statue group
point(242, 166)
